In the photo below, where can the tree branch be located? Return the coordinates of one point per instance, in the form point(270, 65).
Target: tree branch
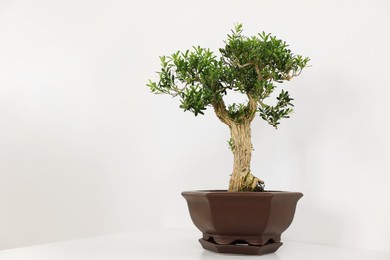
point(242, 66)
point(257, 69)
point(222, 113)
point(294, 74)
point(252, 105)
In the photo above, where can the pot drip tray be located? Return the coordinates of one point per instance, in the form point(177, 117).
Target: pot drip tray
point(243, 249)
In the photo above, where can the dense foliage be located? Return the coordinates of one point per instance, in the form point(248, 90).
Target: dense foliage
point(248, 65)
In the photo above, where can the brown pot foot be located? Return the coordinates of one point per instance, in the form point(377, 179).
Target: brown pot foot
point(243, 249)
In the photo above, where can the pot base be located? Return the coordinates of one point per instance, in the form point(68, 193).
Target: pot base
point(243, 249)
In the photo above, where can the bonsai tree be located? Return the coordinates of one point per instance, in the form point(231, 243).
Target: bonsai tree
point(253, 66)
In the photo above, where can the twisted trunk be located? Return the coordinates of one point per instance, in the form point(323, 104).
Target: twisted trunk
point(242, 178)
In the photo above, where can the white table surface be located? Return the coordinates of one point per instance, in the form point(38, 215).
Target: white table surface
point(173, 244)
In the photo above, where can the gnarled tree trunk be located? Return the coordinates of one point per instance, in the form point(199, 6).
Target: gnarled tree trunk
point(242, 178)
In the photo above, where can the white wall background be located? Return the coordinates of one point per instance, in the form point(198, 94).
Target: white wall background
point(86, 150)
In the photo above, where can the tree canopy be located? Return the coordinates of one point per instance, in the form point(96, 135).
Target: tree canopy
point(252, 66)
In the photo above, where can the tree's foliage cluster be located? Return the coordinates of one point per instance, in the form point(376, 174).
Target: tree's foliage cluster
point(248, 65)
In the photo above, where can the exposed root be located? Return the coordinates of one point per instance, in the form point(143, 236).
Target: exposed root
point(246, 182)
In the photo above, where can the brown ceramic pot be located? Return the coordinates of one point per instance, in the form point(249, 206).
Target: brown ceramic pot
point(242, 222)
